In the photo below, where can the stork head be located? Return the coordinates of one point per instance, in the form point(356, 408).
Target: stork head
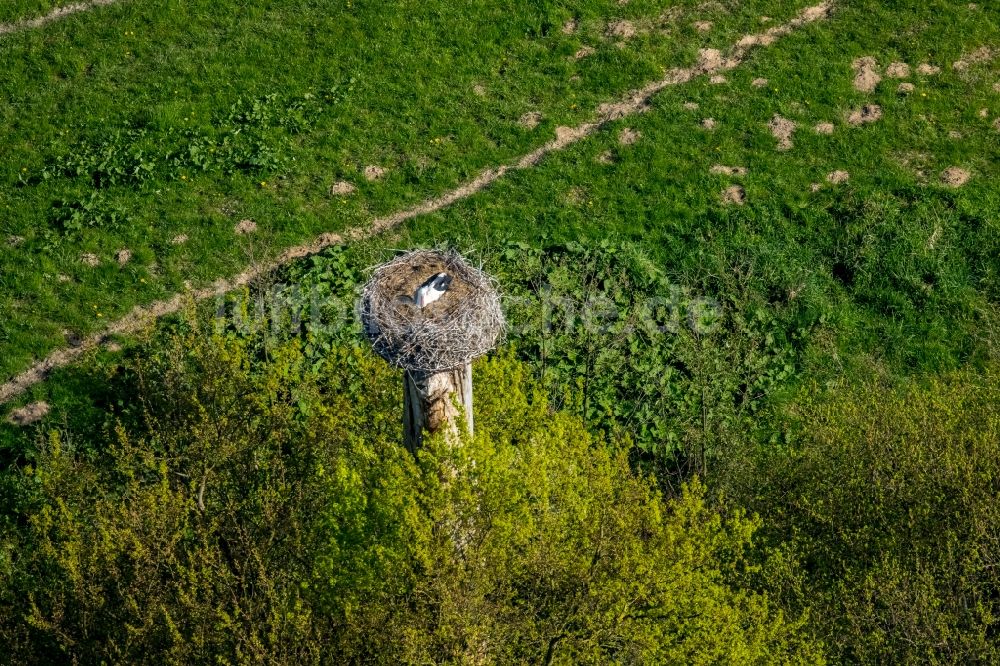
point(441, 282)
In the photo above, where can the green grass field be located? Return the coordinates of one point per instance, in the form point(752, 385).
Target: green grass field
point(139, 136)
point(127, 130)
point(892, 267)
point(134, 124)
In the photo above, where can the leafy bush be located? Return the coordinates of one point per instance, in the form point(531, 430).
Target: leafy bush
point(614, 339)
point(888, 498)
point(253, 137)
point(249, 510)
point(607, 334)
point(72, 217)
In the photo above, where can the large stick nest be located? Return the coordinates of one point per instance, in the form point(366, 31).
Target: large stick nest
point(464, 323)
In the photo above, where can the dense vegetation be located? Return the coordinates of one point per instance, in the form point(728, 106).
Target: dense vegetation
point(716, 433)
point(248, 510)
point(887, 497)
point(241, 507)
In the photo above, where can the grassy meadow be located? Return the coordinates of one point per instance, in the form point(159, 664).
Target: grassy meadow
point(807, 424)
point(134, 125)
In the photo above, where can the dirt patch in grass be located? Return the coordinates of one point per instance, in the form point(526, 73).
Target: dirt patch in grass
point(244, 227)
point(759, 83)
point(927, 69)
point(607, 157)
point(709, 123)
point(762, 39)
point(373, 172)
point(123, 256)
point(90, 259)
point(869, 113)
point(530, 120)
point(897, 70)
point(342, 188)
point(31, 413)
point(728, 170)
point(980, 55)
point(628, 136)
point(615, 111)
point(782, 130)
point(569, 27)
point(621, 30)
point(955, 176)
point(703, 26)
point(837, 177)
point(710, 60)
point(823, 128)
point(905, 88)
point(717, 79)
point(734, 194)
point(583, 52)
point(179, 239)
point(690, 106)
point(866, 75)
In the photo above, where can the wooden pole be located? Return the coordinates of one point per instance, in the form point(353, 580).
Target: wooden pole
point(434, 401)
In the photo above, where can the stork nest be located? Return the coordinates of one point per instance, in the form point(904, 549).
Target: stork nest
point(464, 323)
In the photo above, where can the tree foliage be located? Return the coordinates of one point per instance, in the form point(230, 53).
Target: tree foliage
point(248, 510)
point(888, 500)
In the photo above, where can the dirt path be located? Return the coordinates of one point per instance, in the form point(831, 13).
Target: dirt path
point(54, 15)
point(710, 61)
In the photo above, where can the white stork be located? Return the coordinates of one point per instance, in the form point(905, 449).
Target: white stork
point(430, 291)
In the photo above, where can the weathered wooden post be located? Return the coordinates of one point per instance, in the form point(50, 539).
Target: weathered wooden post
point(431, 313)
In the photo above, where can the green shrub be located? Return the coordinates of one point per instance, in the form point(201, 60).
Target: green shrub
point(609, 337)
point(888, 499)
point(250, 510)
